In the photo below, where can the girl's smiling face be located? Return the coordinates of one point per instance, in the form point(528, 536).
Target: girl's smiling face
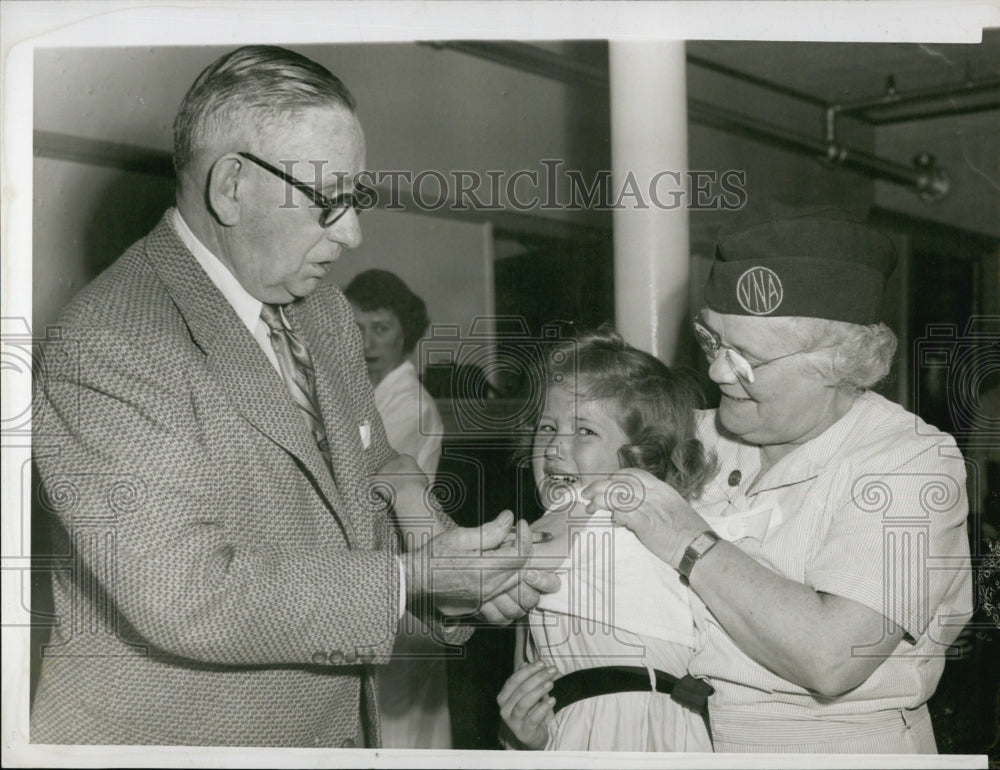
point(576, 442)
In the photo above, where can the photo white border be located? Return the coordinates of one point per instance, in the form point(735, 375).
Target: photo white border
point(25, 26)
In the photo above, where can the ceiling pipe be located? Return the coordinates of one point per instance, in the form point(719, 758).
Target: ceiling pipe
point(893, 99)
point(880, 111)
point(925, 178)
point(890, 107)
point(745, 77)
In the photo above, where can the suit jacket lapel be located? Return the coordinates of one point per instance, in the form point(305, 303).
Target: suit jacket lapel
point(241, 368)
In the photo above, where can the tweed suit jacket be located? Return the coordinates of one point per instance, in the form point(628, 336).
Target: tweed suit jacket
point(220, 587)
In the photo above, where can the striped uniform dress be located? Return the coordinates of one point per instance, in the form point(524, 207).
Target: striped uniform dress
point(873, 510)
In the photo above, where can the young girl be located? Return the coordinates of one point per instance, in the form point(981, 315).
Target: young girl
point(622, 618)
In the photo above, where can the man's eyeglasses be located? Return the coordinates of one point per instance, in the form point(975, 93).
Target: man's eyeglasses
point(712, 345)
point(332, 209)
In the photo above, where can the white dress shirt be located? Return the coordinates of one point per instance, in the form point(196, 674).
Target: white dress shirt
point(247, 306)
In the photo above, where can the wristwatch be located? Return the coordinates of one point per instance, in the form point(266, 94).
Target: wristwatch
point(698, 548)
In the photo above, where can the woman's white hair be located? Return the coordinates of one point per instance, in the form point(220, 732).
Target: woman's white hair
point(848, 356)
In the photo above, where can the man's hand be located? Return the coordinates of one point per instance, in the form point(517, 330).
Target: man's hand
point(467, 570)
point(526, 706)
point(512, 604)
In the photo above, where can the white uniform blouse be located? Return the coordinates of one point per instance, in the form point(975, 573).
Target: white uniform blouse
point(873, 510)
point(412, 421)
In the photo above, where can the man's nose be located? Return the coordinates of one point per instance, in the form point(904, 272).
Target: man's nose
point(346, 230)
point(554, 448)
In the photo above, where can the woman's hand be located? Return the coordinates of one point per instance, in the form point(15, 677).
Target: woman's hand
point(526, 706)
point(661, 519)
point(801, 634)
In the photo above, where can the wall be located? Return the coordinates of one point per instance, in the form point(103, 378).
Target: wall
point(430, 109)
point(968, 147)
point(446, 263)
point(422, 108)
point(84, 217)
point(406, 95)
point(771, 171)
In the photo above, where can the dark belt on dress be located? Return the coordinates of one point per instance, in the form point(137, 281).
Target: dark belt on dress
point(605, 680)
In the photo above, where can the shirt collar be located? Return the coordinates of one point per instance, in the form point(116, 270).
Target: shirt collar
point(387, 382)
point(811, 457)
point(247, 306)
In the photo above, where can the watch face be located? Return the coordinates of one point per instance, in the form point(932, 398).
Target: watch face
point(702, 542)
point(698, 548)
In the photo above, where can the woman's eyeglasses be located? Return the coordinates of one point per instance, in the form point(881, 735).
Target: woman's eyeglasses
point(332, 209)
point(711, 344)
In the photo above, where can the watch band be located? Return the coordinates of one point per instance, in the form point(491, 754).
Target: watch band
point(698, 547)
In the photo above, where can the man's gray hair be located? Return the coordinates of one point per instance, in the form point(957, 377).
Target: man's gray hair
point(849, 356)
point(256, 87)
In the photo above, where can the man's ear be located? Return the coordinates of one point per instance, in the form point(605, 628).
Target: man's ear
point(226, 188)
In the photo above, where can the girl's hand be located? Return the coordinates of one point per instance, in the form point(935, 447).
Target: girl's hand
point(657, 514)
point(526, 706)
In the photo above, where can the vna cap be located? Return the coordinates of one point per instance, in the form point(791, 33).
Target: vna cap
point(819, 263)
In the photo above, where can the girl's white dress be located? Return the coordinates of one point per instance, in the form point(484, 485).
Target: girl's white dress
point(618, 605)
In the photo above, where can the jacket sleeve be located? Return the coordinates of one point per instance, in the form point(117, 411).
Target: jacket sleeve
point(177, 545)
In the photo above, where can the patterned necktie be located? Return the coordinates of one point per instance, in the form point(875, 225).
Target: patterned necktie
point(296, 368)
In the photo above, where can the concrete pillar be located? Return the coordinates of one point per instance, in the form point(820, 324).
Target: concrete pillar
point(649, 157)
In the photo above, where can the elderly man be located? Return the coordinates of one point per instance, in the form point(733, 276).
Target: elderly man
point(218, 467)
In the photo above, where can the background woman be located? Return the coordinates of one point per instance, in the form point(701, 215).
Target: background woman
point(413, 692)
point(392, 319)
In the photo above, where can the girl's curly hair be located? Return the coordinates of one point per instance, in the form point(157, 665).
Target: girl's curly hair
point(653, 404)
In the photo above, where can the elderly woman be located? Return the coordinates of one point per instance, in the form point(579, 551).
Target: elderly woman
point(830, 554)
point(413, 693)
